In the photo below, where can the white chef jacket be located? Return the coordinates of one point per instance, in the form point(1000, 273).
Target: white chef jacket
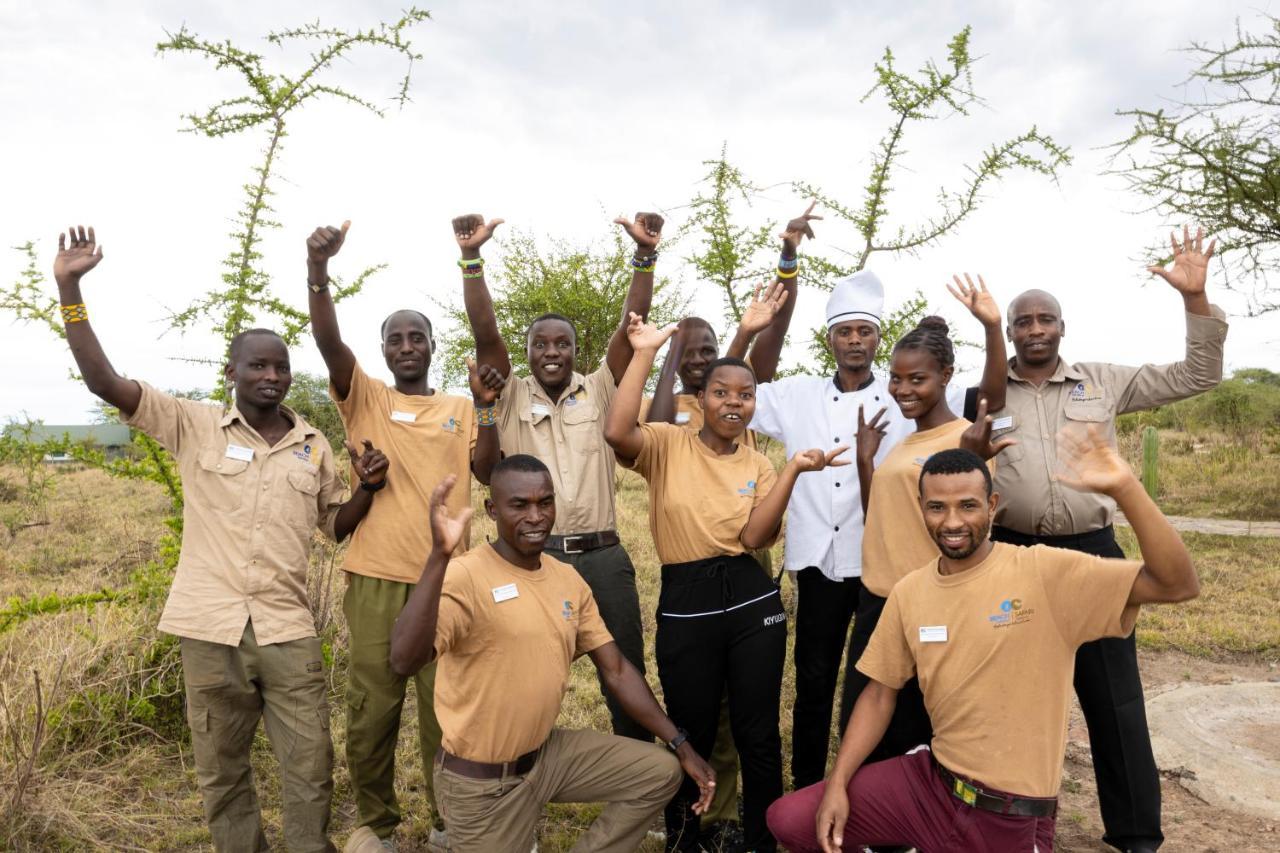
point(824, 516)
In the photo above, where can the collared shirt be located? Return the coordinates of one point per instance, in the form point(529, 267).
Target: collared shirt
point(568, 436)
point(1032, 501)
point(248, 513)
point(824, 516)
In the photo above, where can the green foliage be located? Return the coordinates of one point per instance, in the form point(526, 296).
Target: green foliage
point(893, 326)
point(26, 298)
point(1151, 461)
point(1214, 160)
point(243, 298)
point(309, 397)
point(20, 449)
point(587, 283)
point(1246, 404)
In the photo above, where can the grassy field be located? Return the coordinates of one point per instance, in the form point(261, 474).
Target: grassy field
point(113, 768)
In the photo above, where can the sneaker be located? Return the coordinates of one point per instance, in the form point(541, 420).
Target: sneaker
point(438, 841)
point(365, 840)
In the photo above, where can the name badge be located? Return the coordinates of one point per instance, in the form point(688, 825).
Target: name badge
point(404, 417)
point(933, 633)
point(505, 592)
point(539, 410)
point(1001, 423)
point(244, 454)
point(682, 417)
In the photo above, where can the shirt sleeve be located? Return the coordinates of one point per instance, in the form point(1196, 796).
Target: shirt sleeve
point(332, 491)
point(592, 633)
point(1151, 385)
point(769, 408)
point(457, 609)
point(649, 461)
point(357, 395)
point(888, 657)
point(510, 399)
point(164, 417)
point(1088, 596)
point(766, 478)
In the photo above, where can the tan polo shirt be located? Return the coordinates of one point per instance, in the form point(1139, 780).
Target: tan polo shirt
point(247, 518)
point(699, 501)
point(994, 648)
point(568, 436)
point(425, 438)
point(1031, 499)
point(505, 638)
point(895, 541)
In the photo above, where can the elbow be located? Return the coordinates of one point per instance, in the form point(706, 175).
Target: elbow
point(613, 435)
point(402, 662)
point(1190, 588)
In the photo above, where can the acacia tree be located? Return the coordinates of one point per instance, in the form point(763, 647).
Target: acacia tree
point(1215, 160)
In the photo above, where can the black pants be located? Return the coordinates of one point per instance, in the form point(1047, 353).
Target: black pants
point(824, 609)
point(721, 622)
point(1109, 688)
point(910, 725)
point(612, 578)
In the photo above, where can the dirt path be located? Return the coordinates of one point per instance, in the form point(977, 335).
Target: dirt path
point(1190, 824)
point(1220, 526)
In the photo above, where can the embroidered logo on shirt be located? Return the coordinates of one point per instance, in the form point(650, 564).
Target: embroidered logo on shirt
point(567, 612)
point(571, 400)
point(1084, 392)
point(750, 488)
point(304, 454)
point(450, 425)
point(1011, 612)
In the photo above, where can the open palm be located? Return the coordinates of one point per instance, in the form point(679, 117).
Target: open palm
point(77, 255)
point(1088, 463)
point(447, 531)
point(1190, 263)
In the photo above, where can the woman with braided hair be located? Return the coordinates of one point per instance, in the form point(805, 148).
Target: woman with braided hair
point(895, 541)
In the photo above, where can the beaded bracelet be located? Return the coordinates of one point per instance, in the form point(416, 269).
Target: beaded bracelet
point(785, 263)
point(787, 274)
point(486, 415)
point(644, 263)
point(74, 313)
point(479, 273)
point(470, 263)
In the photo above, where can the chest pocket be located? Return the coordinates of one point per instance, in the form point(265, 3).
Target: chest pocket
point(222, 481)
point(1096, 409)
point(298, 506)
point(583, 430)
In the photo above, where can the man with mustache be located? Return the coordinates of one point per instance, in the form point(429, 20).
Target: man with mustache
point(557, 414)
point(506, 620)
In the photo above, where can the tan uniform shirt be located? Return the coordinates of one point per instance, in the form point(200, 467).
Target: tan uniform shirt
point(994, 648)
point(1031, 500)
point(425, 438)
point(699, 501)
point(568, 436)
point(895, 541)
point(247, 517)
point(505, 639)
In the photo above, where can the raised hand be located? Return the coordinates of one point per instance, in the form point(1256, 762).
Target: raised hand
point(76, 256)
point(325, 242)
point(699, 771)
point(646, 230)
point(833, 814)
point(799, 228)
point(870, 433)
point(446, 530)
point(1088, 463)
point(370, 464)
point(646, 336)
point(978, 436)
point(816, 460)
point(1190, 263)
point(472, 232)
point(486, 383)
point(980, 303)
point(763, 308)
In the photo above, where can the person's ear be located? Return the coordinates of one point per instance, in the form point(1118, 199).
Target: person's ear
point(947, 373)
point(1062, 328)
point(489, 509)
point(1008, 333)
point(992, 503)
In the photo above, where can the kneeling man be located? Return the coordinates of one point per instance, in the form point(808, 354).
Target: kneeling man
point(506, 622)
point(991, 630)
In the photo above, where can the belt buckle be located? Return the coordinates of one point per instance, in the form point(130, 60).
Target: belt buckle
point(964, 791)
point(572, 550)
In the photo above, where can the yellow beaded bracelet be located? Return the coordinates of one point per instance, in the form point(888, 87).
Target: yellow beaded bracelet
point(74, 313)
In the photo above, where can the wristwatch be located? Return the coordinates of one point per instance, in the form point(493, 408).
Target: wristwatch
point(681, 737)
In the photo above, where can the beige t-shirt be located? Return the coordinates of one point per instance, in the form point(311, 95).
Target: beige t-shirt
point(425, 438)
point(699, 501)
point(895, 541)
point(994, 648)
point(505, 639)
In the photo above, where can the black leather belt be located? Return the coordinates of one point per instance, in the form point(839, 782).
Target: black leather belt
point(581, 542)
point(993, 801)
point(482, 770)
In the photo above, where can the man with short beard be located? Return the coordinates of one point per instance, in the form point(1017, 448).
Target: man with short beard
point(991, 630)
point(557, 414)
point(1046, 393)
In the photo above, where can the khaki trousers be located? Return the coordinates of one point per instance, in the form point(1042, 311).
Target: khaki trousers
point(228, 689)
point(375, 696)
point(635, 779)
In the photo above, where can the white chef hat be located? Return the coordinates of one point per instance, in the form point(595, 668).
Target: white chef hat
point(858, 297)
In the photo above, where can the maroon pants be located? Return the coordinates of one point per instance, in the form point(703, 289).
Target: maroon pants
point(903, 801)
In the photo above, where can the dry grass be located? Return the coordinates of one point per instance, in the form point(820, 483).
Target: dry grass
point(101, 783)
point(1212, 475)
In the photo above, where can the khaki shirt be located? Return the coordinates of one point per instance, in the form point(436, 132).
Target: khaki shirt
point(246, 522)
point(1032, 501)
point(568, 436)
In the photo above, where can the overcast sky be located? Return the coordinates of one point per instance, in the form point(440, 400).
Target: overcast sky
point(558, 116)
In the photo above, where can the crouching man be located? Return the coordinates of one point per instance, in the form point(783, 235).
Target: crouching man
point(505, 622)
point(991, 630)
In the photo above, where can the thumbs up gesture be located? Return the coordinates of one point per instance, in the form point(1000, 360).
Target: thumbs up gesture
point(325, 242)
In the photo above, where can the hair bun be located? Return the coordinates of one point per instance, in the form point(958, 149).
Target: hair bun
point(933, 321)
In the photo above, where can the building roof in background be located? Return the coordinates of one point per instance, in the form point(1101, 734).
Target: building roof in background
point(104, 435)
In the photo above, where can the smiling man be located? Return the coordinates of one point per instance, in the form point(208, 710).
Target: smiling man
point(256, 481)
point(991, 631)
point(557, 415)
point(506, 621)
